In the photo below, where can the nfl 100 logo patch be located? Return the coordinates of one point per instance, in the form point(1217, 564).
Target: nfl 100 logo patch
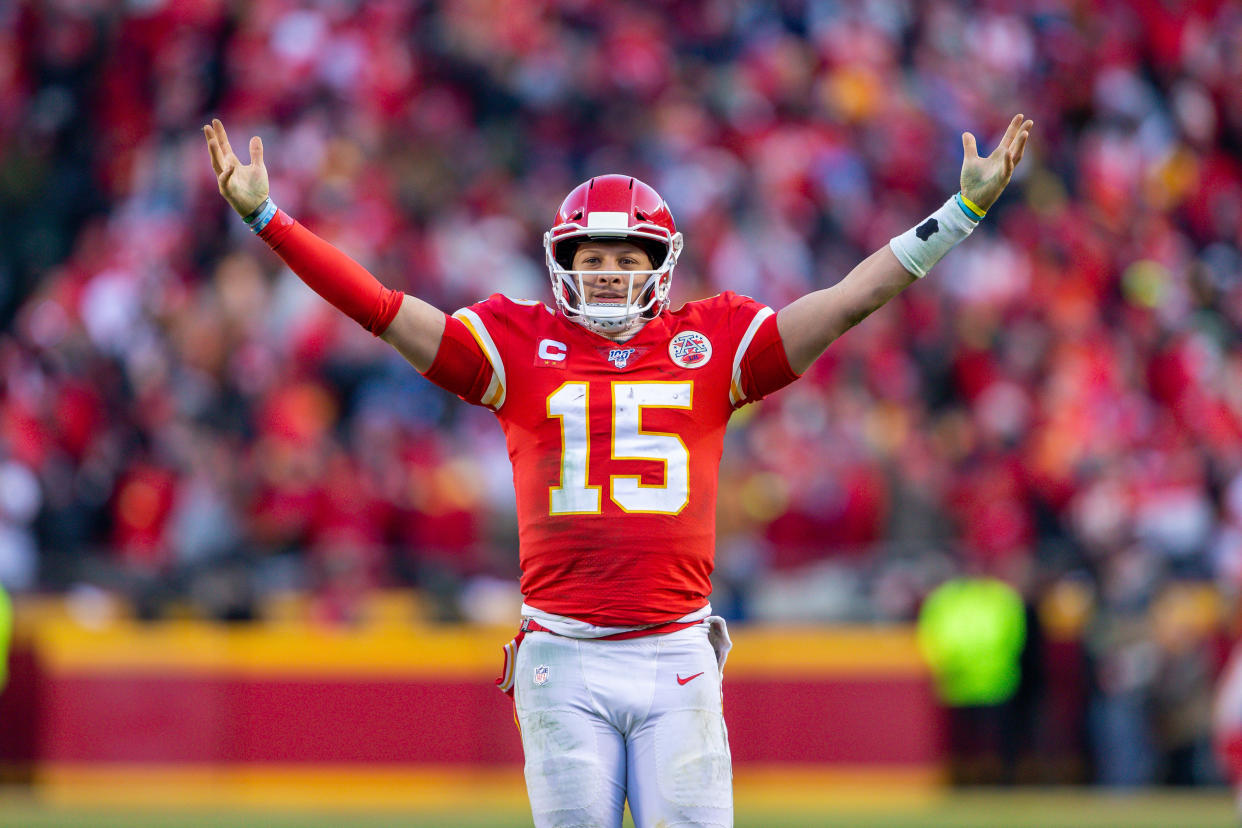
point(620, 357)
point(541, 674)
point(690, 349)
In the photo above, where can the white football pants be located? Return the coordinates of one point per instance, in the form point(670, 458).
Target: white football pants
point(640, 719)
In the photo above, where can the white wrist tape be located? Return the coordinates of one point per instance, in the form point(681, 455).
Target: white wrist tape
point(923, 245)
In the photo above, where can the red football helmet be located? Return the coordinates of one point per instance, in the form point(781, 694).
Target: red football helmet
point(612, 207)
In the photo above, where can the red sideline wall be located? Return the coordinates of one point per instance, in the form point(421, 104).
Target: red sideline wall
point(209, 702)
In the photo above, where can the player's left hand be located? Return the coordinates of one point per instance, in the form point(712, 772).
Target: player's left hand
point(983, 179)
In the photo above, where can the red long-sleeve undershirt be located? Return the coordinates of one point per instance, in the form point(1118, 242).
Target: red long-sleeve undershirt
point(459, 365)
point(333, 275)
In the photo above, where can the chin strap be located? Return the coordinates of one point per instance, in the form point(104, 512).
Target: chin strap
point(620, 325)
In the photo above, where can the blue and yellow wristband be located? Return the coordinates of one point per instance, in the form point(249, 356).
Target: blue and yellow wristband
point(973, 211)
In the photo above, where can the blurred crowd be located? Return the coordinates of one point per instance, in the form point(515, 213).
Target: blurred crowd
point(1059, 403)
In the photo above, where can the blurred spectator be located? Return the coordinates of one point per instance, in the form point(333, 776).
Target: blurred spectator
point(972, 632)
point(1124, 662)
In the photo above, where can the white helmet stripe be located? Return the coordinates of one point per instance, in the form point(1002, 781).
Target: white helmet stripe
point(610, 221)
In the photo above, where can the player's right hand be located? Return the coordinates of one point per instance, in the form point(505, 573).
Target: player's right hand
point(244, 186)
point(985, 177)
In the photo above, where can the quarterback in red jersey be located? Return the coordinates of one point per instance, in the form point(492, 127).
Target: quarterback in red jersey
point(616, 446)
point(614, 409)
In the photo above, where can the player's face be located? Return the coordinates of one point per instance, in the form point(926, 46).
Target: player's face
point(604, 256)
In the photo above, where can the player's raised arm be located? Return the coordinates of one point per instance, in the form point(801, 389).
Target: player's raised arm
point(407, 323)
point(810, 323)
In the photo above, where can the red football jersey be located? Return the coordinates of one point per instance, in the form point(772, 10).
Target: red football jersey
point(615, 447)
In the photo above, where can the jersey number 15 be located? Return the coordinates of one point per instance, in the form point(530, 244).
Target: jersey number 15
point(571, 405)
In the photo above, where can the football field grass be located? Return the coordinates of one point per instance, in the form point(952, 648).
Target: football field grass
point(984, 809)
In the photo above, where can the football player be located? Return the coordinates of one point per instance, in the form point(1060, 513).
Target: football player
point(614, 407)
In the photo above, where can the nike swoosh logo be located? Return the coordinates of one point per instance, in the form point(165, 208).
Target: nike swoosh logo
point(687, 679)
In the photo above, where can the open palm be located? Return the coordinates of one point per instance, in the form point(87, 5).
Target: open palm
point(244, 186)
point(984, 178)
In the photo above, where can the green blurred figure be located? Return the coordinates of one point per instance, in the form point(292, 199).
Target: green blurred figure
point(972, 632)
point(6, 634)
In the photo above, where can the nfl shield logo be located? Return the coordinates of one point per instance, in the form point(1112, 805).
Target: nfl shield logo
point(541, 674)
